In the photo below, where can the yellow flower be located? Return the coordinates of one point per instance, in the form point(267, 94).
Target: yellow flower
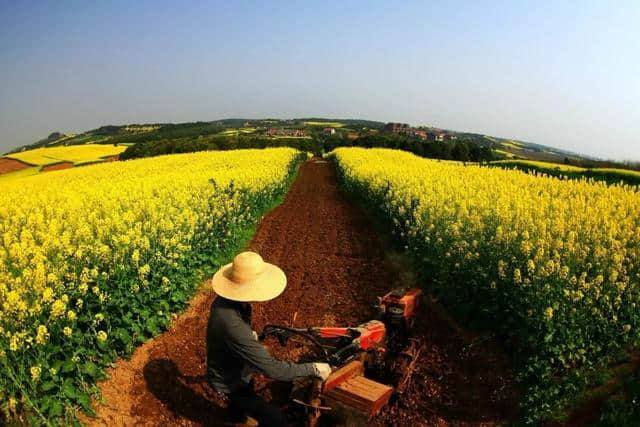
point(13, 343)
point(67, 331)
point(35, 372)
point(47, 295)
point(58, 308)
point(135, 257)
point(102, 336)
point(13, 300)
point(548, 313)
point(143, 271)
point(42, 335)
point(517, 276)
point(501, 269)
point(71, 315)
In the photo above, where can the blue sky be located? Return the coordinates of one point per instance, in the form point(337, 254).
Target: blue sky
point(564, 74)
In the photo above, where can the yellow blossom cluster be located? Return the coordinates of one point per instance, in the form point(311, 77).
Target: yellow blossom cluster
point(553, 263)
point(82, 247)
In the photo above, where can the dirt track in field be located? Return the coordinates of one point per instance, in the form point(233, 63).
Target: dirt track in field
point(11, 165)
point(336, 267)
point(57, 167)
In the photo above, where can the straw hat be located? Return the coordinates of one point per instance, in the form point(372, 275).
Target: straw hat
point(249, 279)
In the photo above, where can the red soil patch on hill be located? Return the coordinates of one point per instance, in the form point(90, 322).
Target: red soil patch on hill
point(11, 165)
point(336, 267)
point(57, 166)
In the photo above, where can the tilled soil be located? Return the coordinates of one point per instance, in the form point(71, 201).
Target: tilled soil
point(336, 268)
point(11, 165)
point(57, 167)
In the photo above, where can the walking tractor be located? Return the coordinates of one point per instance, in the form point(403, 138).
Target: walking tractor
point(372, 362)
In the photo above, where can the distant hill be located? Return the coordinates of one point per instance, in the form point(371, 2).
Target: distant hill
point(134, 133)
point(512, 148)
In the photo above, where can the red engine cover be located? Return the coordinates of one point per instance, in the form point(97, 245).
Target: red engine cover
point(372, 334)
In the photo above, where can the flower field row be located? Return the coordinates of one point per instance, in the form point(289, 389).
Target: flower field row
point(77, 154)
point(93, 261)
point(609, 175)
point(551, 264)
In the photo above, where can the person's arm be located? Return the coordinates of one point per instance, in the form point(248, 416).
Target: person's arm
point(242, 342)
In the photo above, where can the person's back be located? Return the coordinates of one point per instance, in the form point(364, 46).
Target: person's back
point(224, 367)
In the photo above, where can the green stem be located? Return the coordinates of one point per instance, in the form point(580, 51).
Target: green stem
point(24, 394)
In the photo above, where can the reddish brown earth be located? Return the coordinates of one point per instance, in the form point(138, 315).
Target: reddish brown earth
point(336, 267)
point(57, 166)
point(11, 165)
point(112, 158)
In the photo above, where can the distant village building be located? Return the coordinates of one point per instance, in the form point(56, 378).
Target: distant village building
point(329, 131)
point(435, 136)
point(422, 134)
point(426, 135)
point(397, 128)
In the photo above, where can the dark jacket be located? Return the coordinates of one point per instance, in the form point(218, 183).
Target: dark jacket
point(231, 345)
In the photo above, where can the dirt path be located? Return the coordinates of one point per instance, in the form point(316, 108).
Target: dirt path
point(57, 166)
point(336, 267)
point(11, 165)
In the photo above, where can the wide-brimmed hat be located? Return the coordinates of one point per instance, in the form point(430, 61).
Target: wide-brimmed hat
point(249, 279)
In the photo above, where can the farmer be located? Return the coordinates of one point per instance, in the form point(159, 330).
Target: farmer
point(233, 350)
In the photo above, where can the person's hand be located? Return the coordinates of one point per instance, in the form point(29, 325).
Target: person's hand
point(322, 370)
point(255, 335)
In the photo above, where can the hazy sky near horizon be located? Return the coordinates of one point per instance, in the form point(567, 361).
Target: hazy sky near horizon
point(565, 74)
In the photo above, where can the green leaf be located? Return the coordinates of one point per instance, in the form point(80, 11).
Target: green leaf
point(85, 402)
point(45, 403)
point(49, 385)
point(124, 336)
point(68, 366)
point(56, 409)
point(141, 337)
point(90, 368)
point(152, 326)
point(68, 389)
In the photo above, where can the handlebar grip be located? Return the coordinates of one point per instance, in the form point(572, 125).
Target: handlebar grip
point(343, 355)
